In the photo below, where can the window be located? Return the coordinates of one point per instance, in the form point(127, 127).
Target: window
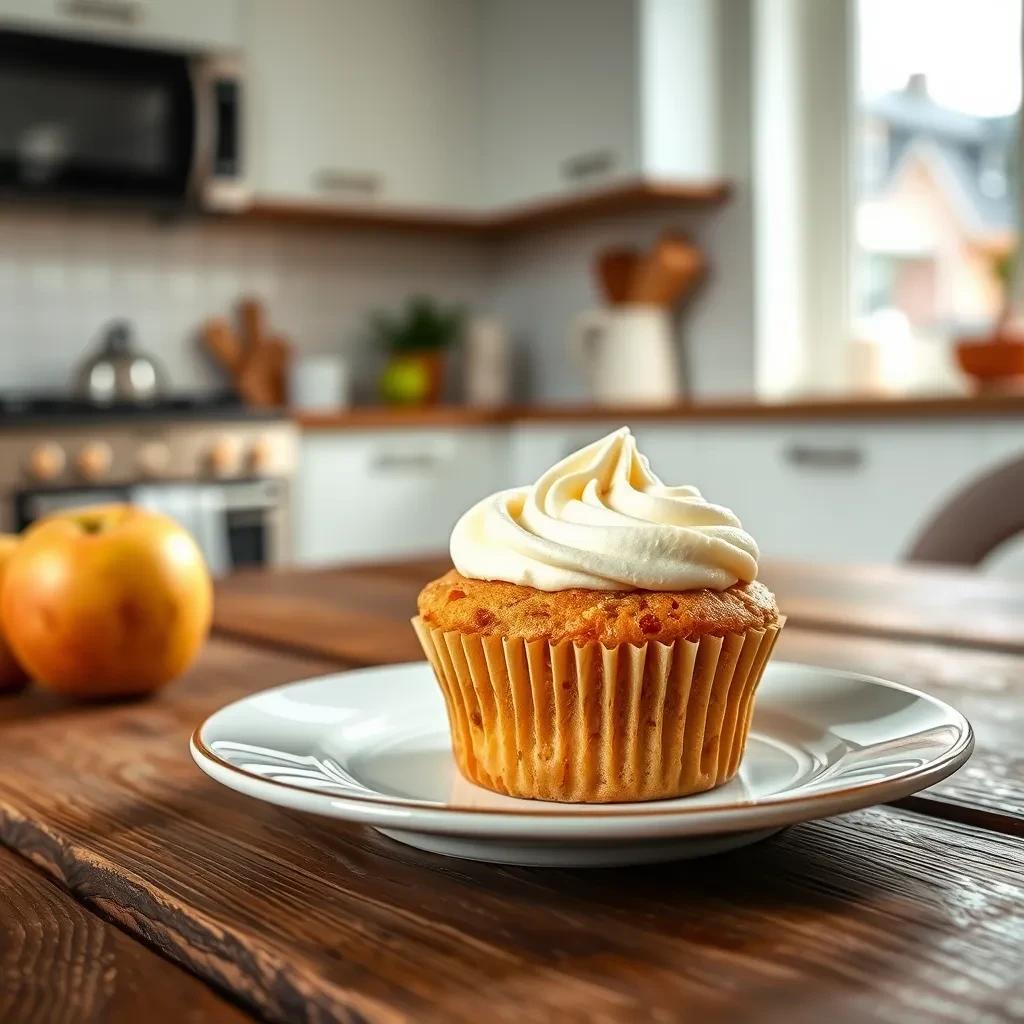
point(937, 96)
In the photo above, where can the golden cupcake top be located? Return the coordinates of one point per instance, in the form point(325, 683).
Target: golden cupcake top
point(601, 520)
point(495, 608)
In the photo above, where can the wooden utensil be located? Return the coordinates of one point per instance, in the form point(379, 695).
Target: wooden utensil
point(252, 320)
point(222, 344)
point(667, 273)
point(688, 264)
point(615, 269)
point(254, 380)
point(278, 356)
point(257, 364)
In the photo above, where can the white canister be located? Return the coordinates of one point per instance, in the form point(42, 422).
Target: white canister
point(487, 369)
point(319, 383)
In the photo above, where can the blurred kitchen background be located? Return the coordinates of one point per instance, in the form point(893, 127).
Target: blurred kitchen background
point(314, 276)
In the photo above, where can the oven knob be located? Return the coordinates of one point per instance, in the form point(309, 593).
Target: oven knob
point(152, 458)
point(223, 456)
point(46, 461)
point(94, 459)
point(260, 457)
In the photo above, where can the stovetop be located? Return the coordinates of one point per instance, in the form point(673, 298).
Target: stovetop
point(28, 408)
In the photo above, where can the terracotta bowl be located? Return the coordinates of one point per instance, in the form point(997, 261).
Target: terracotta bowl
point(992, 361)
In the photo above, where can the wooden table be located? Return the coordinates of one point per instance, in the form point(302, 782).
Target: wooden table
point(134, 886)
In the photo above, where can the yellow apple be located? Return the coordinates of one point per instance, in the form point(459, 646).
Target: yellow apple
point(12, 675)
point(106, 601)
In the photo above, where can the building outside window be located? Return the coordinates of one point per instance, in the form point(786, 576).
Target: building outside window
point(937, 98)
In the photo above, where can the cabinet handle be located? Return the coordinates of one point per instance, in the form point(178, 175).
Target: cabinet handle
point(816, 457)
point(336, 180)
point(399, 462)
point(588, 165)
point(124, 12)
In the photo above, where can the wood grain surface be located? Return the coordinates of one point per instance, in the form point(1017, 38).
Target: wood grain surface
point(356, 615)
point(881, 915)
point(945, 605)
point(942, 605)
point(885, 915)
point(61, 964)
point(360, 613)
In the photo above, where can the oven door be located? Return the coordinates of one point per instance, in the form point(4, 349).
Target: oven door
point(235, 523)
point(32, 505)
point(84, 119)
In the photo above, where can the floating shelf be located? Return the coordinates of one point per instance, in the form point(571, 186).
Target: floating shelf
point(624, 197)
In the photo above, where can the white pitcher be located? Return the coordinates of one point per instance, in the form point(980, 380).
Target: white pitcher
point(628, 354)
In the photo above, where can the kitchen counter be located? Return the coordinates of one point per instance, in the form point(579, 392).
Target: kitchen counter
point(853, 408)
point(888, 913)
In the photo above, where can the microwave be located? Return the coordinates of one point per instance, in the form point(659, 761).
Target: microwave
point(92, 121)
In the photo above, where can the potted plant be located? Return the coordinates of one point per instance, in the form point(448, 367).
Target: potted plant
point(417, 338)
point(996, 361)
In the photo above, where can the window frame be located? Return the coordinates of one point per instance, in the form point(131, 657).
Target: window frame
point(803, 119)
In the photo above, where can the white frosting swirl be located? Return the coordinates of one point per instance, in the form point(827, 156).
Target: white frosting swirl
point(601, 520)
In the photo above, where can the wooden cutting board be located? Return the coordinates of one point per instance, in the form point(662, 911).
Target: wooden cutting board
point(255, 360)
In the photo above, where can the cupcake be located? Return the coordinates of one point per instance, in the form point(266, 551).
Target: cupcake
point(601, 636)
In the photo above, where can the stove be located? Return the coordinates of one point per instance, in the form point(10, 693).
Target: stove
point(222, 468)
point(19, 408)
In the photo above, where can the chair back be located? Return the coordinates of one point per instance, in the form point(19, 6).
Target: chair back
point(976, 520)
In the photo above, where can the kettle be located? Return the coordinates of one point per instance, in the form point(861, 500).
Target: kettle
point(118, 372)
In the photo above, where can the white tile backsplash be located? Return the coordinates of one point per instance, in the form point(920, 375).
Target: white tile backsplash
point(64, 273)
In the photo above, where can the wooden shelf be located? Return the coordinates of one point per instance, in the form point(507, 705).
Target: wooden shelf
point(378, 218)
point(624, 197)
point(629, 197)
point(954, 407)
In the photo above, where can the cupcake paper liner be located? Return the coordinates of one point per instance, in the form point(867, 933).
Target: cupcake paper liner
point(594, 724)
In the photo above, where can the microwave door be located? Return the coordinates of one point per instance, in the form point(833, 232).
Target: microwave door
point(88, 120)
point(218, 173)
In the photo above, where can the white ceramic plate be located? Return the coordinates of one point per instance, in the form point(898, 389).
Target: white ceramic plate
point(372, 746)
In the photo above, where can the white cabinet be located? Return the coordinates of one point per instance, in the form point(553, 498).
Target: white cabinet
point(534, 448)
point(1004, 442)
point(827, 491)
point(295, 97)
point(379, 494)
point(479, 103)
point(355, 102)
point(836, 492)
point(831, 491)
point(182, 24)
point(581, 93)
point(558, 96)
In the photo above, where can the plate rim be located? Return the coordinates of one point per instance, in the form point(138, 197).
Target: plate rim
point(399, 812)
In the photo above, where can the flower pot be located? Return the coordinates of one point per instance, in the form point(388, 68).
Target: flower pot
point(995, 362)
point(433, 364)
point(414, 379)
